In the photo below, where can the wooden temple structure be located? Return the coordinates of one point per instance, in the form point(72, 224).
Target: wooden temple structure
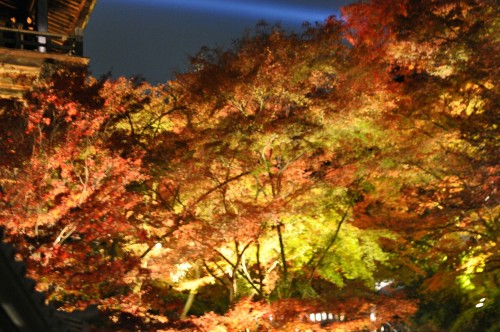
point(35, 34)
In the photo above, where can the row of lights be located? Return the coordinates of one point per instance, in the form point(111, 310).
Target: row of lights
point(323, 316)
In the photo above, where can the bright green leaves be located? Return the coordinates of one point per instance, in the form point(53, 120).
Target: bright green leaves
point(360, 253)
point(352, 254)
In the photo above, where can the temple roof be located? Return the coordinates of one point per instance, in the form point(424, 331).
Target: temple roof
point(64, 15)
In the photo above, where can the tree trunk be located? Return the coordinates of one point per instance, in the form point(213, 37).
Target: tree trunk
point(192, 292)
point(282, 249)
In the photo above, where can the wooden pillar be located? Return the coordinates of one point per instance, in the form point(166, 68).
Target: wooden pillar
point(78, 42)
point(42, 22)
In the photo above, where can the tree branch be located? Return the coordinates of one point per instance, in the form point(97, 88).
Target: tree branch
point(330, 244)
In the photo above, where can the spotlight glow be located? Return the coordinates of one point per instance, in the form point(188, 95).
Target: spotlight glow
point(243, 8)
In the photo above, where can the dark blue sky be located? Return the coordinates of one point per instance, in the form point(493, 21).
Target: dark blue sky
point(154, 38)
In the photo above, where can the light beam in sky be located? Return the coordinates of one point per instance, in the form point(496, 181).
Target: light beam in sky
point(258, 10)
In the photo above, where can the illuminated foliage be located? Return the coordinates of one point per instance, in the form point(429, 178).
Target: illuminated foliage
point(293, 169)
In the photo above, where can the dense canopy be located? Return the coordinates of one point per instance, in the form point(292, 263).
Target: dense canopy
point(289, 175)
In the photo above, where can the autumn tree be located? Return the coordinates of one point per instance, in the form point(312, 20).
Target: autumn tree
point(68, 188)
point(263, 178)
point(440, 60)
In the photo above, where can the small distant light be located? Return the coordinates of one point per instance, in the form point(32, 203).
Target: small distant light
point(382, 284)
point(312, 317)
point(382, 329)
point(158, 245)
point(271, 318)
point(487, 198)
point(342, 317)
point(330, 316)
point(318, 317)
point(373, 317)
point(480, 304)
point(323, 316)
point(483, 299)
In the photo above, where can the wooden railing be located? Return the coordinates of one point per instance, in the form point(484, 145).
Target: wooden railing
point(41, 41)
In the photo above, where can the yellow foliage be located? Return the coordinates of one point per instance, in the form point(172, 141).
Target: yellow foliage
point(193, 285)
point(488, 85)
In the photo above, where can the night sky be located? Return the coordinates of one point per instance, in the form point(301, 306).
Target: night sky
point(154, 38)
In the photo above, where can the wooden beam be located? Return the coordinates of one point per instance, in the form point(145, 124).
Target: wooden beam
point(8, 56)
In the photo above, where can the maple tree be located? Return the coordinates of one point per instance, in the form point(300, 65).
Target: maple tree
point(258, 152)
point(290, 171)
point(439, 56)
point(66, 199)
